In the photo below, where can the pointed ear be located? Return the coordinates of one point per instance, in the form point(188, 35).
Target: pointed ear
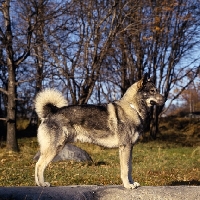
point(143, 81)
point(153, 79)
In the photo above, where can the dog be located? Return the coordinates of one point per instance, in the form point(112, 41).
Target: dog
point(117, 124)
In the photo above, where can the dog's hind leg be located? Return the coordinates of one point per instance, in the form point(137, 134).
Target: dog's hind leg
point(45, 158)
point(125, 154)
point(49, 148)
point(51, 141)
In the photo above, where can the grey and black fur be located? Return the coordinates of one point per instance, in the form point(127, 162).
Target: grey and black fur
point(117, 124)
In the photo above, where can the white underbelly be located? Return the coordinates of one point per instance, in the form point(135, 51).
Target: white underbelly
point(110, 141)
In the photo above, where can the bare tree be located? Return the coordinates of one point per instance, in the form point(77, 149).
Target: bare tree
point(16, 47)
point(86, 45)
point(47, 15)
point(84, 59)
point(12, 62)
point(166, 33)
point(22, 36)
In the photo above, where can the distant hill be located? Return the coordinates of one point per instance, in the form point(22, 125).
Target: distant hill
point(185, 131)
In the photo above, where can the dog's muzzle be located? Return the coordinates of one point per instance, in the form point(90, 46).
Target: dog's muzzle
point(152, 102)
point(160, 100)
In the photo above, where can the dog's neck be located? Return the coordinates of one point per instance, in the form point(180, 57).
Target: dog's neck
point(138, 112)
point(143, 113)
point(132, 106)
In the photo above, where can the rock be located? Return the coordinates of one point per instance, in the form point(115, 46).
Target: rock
point(114, 192)
point(149, 193)
point(69, 152)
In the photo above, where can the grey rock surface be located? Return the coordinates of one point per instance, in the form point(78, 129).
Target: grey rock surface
point(94, 192)
point(69, 152)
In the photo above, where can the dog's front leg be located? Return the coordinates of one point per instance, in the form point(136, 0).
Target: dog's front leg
point(125, 154)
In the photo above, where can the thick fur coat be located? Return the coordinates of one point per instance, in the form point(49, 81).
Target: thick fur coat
point(116, 124)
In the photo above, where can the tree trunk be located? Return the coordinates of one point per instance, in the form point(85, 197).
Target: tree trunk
point(39, 49)
point(154, 121)
point(39, 67)
point(11, 143)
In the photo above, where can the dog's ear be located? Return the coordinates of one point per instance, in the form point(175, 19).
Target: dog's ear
point(143, 81)
point(152, 79)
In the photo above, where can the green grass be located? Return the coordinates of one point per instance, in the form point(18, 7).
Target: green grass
point(154, 163)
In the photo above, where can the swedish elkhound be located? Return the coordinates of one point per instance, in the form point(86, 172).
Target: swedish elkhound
point(117, 124)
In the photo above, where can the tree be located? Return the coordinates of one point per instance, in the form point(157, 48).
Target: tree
point(94, 50)
point(15, 38)
point(91, 29)
point(22, 40)
point(166, 33)
point(12, 62)
point(191, 98)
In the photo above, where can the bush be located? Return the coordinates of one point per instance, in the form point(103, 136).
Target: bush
point(22, 124)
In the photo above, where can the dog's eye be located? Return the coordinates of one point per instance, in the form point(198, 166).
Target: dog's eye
point(152, 91)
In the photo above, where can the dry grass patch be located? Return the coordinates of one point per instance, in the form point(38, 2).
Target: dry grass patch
point(154, 163)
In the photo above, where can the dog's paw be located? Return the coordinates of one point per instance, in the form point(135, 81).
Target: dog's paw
point(132, 186)
point(136, 184)
point(44, 184)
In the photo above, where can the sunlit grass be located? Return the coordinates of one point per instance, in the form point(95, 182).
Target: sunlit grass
point(154, 163)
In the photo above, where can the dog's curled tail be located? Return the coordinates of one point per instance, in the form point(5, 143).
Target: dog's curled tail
point(48, 99)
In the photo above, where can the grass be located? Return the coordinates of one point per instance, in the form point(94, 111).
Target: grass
point(154, 163)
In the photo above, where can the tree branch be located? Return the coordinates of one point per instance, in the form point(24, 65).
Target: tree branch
point(3, 91)
point(3, 119)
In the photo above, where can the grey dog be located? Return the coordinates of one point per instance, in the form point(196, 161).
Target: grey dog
point(118, 124)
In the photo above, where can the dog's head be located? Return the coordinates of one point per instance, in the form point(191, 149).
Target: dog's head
point(149, 93)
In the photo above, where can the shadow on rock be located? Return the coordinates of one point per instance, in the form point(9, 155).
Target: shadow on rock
point(192, 182)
